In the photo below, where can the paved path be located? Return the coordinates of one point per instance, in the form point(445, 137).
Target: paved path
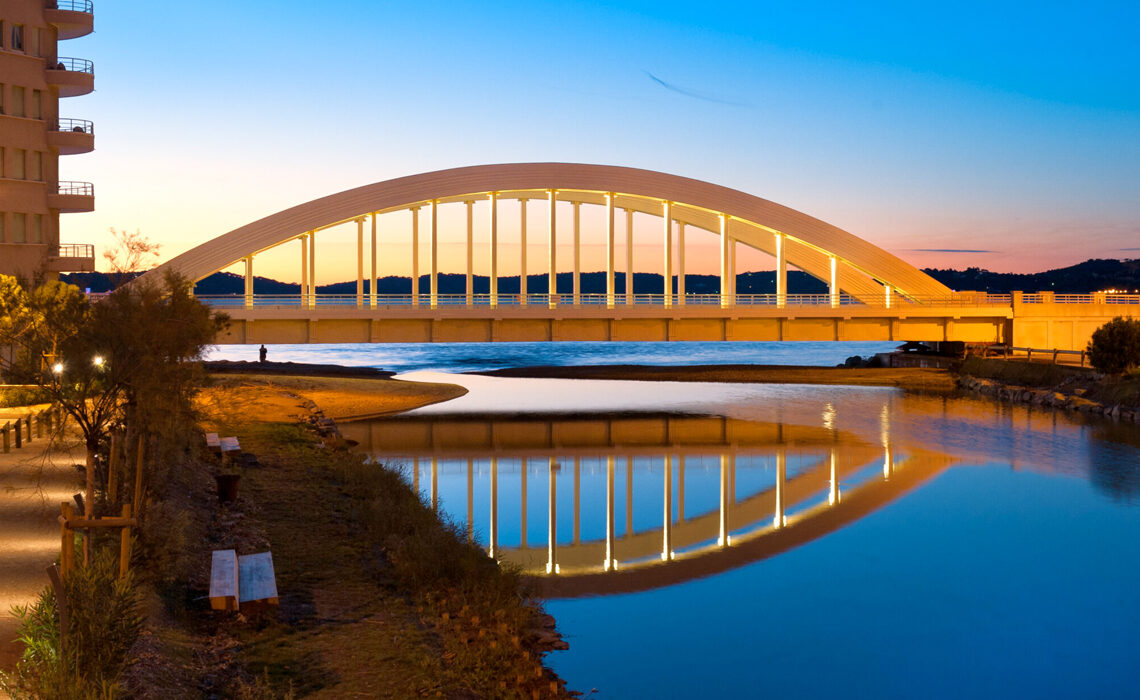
point(33, 481)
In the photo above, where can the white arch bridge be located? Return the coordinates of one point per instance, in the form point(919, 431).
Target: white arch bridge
point(872, 294)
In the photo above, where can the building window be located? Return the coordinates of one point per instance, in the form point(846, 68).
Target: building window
point(36, 165)
point(19, 228)
point(17, 43)
point(37, 104)
point(37, 228)
point(18, 102)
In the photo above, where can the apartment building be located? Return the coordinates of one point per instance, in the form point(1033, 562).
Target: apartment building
point(36, 128)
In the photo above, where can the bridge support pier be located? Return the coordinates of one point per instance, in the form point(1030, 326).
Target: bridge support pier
point(249, 281)
point(415, 256)
point(552, 519)
point(493, 275)
point(680, 263)
point(577, 281)
point(522, 248)
point(779, 519)
point(552, 253)
point(470, 288)
point(781, 272)
point(629, 257)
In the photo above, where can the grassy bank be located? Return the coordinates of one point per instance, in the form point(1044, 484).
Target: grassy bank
point(1109, 390)
point(378, 597)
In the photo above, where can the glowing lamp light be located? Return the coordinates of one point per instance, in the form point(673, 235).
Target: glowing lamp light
point(57, 368)
point(98, 360)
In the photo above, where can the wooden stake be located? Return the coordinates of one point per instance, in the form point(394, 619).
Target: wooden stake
point(60, 603)
point(125, 544)
point(67, 539)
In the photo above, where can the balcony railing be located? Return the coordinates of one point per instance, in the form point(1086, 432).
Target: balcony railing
point(76, 65)
point(79, 126)
point(87, 6)
point(75, 250)
point(71, 187)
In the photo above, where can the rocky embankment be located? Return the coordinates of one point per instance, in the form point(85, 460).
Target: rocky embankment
point(1066, 395)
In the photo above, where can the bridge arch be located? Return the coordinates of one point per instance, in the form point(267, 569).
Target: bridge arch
point(843, 261)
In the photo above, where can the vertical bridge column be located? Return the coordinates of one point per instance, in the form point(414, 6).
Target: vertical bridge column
point(667, 517)
point(725, 289)
point(552, 261)
point(577, 281)
point(781, 271)
point(433, 285)
point(415, 256)
point(470, 289)
point(360, 262)
point(522, 250)
point(312, 268)
point(304, 238)
point(249, 281)
point(629, 257)
point(374, 271)
point(681, 269)
point(833, 284)
point(610, 250)
point(667, 276)
point(493, 248)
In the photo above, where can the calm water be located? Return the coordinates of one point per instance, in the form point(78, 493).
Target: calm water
point(790, 541)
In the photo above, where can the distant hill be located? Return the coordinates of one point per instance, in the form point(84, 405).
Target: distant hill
point(1089, 276)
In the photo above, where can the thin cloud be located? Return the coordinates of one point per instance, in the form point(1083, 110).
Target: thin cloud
point(1130, 249)
point(949, 250)
point(696, 94)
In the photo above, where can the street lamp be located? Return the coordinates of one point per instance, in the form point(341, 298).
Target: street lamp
point(98, 361)
point(57, 368)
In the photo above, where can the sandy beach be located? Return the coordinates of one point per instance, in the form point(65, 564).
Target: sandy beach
point(922, 379)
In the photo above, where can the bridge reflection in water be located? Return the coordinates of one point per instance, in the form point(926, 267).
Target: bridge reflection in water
point(600, 504)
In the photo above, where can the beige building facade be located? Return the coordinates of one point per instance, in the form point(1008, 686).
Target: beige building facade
point(36, 128)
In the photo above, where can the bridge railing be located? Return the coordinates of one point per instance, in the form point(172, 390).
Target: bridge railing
point(591, 300)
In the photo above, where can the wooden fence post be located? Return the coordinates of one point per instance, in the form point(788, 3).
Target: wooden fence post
point(125, 544)
point(7, 427)
point(67, 539)
point(19, 435)
point(60, 603)
point(39, 425)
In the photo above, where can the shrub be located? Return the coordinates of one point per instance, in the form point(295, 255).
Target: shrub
point(104, 623)
point(1115, 346)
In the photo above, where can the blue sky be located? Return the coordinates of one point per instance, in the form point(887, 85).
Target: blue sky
point(1012, 129)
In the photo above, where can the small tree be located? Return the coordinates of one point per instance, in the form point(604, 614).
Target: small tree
point(132, 253)
point(1115, 346)
point(128, 357)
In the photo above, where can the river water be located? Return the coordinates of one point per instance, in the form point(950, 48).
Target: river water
point(733, 540)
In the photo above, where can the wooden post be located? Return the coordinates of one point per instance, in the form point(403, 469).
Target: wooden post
point(19, 435)
point(138, 475)
point(125, 543)
point(67, 539)
point(39, 425)
point(28, 426)
point(7, 427)
point(112, 468)
point(60, 603)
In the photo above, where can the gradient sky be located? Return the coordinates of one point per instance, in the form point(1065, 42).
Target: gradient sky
point(1005, 136)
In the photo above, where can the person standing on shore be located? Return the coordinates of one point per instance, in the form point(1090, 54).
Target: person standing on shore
point(261, 353)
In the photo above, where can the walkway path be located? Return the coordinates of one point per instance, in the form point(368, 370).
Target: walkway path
point(34, 480)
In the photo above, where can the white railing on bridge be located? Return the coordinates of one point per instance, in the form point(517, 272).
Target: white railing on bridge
point(483, 301)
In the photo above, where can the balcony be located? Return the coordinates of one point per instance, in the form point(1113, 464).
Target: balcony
point(71, 136)
point(71, 18)
point(73, 76)
point(72, 197)
point(73, 257)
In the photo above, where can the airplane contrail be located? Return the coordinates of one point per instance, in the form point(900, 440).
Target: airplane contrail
point(695, 94)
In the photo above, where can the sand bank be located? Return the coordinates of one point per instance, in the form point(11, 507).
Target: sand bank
point(924, 379)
